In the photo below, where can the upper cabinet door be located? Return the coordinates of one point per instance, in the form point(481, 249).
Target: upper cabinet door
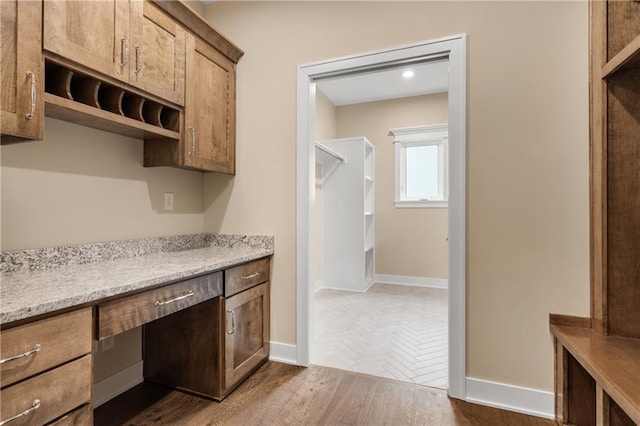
point(210, 111)
point(158, 52)
point(92, 33)
point(22, 71)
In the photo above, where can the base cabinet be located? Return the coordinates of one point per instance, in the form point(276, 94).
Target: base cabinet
point(246, 334)
point(216, 344)
point(47, 371)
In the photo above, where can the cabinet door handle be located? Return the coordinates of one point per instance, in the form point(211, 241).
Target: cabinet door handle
point(124, 52)
point(248, 277)
point(32, 112)
point(175, 299)
point(193, 140)
point(233, 321)
point(36, 348)
point(34, 406)
point(138, 59)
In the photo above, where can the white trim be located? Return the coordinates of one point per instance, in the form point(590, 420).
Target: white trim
point(453, 47)
point(318, 285)
point(114, 385)
point(283, 352)
point(412, 281)
point(429, 204)
point(533, 402)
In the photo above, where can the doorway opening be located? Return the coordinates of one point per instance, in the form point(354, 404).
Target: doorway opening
point(451, 49)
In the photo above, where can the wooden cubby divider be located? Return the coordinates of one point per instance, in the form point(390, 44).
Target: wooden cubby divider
point(85, 90)
point(170, 119)
point(151, 113)
point(110, 99)
point(132, 106)
point(76, 86)
point(58, 81)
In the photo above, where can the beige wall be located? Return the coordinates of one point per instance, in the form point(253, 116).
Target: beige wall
point(82, 185)
point(409, 241)
point(527, 184)
point(325, 129)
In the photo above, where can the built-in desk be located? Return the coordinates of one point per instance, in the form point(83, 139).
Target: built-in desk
point(205, 312)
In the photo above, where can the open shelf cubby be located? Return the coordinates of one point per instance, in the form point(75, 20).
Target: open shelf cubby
point(135, 115)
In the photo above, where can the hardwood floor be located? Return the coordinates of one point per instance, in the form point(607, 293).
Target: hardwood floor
point(393, 331)
point(281, 394)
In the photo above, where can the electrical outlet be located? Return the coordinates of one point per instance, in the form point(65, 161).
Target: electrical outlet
point(108, 344)
point(168, 200)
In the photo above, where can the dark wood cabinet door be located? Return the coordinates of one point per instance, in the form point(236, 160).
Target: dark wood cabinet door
point(157, 52)
point(210, 111)
point(22, 106)
point(246, 333)
point(91, 33)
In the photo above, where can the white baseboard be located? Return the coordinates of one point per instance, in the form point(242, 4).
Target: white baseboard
point(412, 281)
point(325, 286)
point(283, 352)
point(120, 382)
point(318, 285)
point(512, 398)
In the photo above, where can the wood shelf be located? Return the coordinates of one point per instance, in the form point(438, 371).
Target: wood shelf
point(75, 112)
point(627, 58)
point(610, 360)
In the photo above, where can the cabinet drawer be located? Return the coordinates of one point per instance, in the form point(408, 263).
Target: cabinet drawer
point(54, 393)
point(80, 416)
point(44, 344)
point(246, 276)
point(129, 312)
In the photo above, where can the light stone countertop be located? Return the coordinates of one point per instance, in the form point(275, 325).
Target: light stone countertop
point(29, 293)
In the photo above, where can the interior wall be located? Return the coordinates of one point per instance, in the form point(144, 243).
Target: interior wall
point(80, 185)
point(527, 154)
point(409, 241)
point(325, 129)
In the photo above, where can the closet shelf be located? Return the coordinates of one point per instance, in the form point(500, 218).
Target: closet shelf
point(627, 58)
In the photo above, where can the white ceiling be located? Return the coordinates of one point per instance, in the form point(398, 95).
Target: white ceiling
point(429, 77)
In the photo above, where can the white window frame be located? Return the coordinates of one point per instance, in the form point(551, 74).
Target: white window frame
point(421, 136)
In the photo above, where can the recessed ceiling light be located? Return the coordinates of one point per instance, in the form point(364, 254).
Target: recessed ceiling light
point(408, 74)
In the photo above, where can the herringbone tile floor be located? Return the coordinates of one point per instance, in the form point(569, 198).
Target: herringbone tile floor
point(392, 331)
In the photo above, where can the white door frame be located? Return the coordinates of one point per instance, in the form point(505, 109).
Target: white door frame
point(454, 48)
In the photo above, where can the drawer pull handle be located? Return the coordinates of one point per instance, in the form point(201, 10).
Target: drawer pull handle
point(233, 321)
point(248, 277)
point(36, 348)
point(124, 52)
point(138, 59)
point(34, 406)
point(32, 112)
point(193, 140)
point(166, 302)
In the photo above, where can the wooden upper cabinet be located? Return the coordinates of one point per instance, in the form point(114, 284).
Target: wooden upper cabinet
point(22, 71)
point(132, 41)
point(91, 33)
point(210, 119)
point(157, 52)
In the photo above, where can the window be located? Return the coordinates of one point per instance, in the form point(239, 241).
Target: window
point(421, 166)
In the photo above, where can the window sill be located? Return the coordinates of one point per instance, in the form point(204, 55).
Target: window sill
point(435, 204)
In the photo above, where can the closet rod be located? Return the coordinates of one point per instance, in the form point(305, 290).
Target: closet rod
point(329, 151)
